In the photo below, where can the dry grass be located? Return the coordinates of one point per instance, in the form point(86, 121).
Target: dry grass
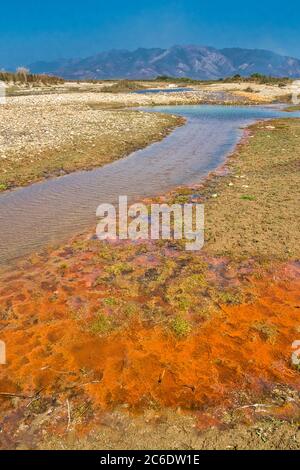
point(51, 132)
point(160, 431)
point(256, 211)
point(292, 109)
point(30, 79)
point(261, 92)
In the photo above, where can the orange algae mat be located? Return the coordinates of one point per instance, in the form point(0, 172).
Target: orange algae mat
point(242, 349)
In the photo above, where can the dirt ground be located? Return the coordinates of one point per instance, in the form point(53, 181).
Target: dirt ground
point(176, 431)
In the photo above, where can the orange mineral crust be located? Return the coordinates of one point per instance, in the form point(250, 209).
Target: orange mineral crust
point(52, 349)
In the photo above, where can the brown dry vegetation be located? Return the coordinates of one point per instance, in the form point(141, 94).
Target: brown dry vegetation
point(122, 86)
point(74, 128)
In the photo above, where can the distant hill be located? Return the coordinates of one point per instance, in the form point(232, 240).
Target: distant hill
point(196, 62)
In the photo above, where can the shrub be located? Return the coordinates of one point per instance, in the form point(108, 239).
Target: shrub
point(180, 326)
point(267, 331)
point(122, 86)
point(101, 325)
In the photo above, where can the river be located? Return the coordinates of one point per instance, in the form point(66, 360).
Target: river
point(51, 211)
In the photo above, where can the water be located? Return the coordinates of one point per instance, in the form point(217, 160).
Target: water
point(163, 90)
point(52, 211)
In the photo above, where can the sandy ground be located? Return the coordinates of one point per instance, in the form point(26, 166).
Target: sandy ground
point(262, 93)
point(264, 187)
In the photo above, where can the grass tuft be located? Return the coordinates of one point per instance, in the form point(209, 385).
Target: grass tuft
point(266, 331)
point(180, 327)
point(101, 325)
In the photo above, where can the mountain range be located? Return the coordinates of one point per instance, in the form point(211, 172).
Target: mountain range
point(197, 62)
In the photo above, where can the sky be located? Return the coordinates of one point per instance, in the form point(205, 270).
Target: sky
point(47, 30)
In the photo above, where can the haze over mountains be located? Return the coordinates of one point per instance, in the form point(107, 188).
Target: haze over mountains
point(178, 61)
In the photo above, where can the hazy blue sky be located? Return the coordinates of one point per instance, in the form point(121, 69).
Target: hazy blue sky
point(32, 30)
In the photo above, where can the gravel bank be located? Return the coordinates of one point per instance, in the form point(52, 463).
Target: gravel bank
point(42, 136)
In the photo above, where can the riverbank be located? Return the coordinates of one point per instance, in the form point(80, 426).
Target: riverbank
point(108, 331)
point(47, 135)
point(42, 140)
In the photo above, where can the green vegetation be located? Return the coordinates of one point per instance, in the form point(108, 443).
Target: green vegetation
point(292, 109)
point(180, 326)
point(110, 302)
point(247, 197)
point(101, 325)
point(131, 309)
point(228, 298)
point(133, 130)
point(119, 269)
